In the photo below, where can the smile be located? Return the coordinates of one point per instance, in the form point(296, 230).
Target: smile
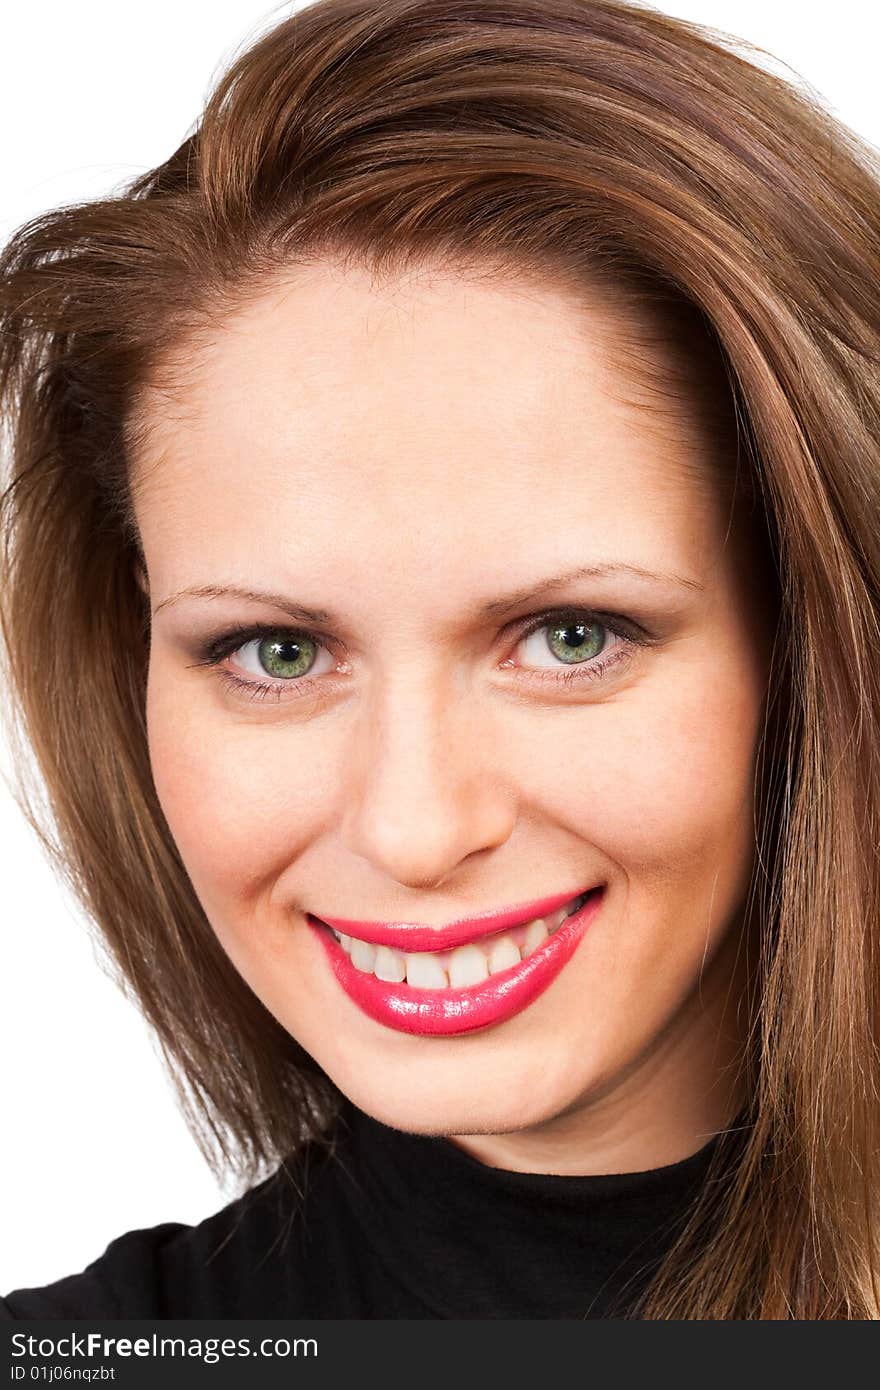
point(489, 977)
point(463, 966)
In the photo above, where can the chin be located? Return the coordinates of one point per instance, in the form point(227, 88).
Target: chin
point(444, 1110)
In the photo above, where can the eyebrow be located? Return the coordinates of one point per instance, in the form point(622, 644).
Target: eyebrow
point(496, 608)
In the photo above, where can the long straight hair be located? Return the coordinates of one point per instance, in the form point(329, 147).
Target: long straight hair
point(607, 145)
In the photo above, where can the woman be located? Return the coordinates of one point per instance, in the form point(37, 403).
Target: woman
point(454, 475)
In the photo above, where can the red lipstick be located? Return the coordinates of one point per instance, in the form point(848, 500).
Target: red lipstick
point(444, 1012)
point(413, 936)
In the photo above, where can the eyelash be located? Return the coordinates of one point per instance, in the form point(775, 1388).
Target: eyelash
point(217, 649)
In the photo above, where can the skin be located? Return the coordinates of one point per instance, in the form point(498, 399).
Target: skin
point(399, 454)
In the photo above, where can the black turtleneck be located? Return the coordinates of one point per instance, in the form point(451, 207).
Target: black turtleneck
point(392, 1225)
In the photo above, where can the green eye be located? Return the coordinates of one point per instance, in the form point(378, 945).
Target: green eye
point(286, 657)
point(290, 660)
point(574, 642)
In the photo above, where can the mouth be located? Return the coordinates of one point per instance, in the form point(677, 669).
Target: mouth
point(484, 980)
point(459, 966)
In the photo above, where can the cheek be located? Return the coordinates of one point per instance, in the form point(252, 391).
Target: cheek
point(667, 795)
point(666, 812)
point(241, 800)
point(657, 782)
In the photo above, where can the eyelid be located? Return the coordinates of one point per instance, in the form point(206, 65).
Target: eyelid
point(630, 633)
point(215, 650)
point(231, 639)
point(616, 622)
point(286, 634)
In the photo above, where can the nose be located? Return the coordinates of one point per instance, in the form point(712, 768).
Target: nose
point(426, 790)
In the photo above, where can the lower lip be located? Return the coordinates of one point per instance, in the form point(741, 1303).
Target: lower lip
point(443, 1012)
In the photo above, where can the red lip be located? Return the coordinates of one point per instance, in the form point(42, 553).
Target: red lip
point(414, 936)
point(442, 1012)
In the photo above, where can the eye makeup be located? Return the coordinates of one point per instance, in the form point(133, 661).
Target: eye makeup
point(214, 651)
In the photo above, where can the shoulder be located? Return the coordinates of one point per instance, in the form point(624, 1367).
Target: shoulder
point(245, 1260)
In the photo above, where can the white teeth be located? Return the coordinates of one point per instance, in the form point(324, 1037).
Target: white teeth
point(536, 932)
point(467, 966)
point(503, 955)
point(363, 955)
point(390, 965)
point(460, 968)
point(424, 971)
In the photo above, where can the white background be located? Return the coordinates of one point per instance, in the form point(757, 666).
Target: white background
point(91, 94)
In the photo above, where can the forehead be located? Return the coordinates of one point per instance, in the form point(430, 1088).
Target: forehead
point(431, 411)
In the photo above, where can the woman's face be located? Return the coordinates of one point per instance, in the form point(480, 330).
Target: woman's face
point(534, 664)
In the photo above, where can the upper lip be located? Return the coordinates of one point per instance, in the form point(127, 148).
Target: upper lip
point(415, 936)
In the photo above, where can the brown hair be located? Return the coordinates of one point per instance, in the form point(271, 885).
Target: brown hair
point(594, 140)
